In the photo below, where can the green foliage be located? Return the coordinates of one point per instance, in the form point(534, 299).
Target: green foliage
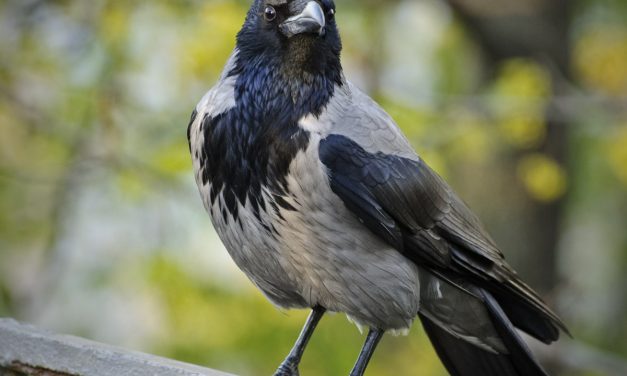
point(199, 331)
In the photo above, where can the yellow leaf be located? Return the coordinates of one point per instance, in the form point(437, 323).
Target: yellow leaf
point(523, 78)
point(543, 177)
point(114, 22)
point(616, 152)
point(473, 139)
point(205, 51)
point(524, 130)
point(173, 158)
point(601, 59)
point(521, 93)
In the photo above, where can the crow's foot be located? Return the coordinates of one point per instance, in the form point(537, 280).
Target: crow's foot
point(287, 369)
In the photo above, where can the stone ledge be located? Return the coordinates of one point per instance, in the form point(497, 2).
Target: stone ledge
point(26, 350)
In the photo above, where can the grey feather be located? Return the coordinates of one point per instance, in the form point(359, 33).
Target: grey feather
point(306, 260)
point(430, 224)
point(355, 115)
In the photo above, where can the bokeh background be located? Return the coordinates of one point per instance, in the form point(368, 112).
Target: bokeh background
point(520, 104)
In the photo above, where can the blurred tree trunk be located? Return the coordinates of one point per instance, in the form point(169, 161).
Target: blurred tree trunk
point(536, 29)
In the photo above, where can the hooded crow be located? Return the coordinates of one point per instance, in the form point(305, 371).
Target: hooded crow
point(321, 201)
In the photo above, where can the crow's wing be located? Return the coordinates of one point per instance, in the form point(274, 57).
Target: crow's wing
point(412, 208)
point(397, 196)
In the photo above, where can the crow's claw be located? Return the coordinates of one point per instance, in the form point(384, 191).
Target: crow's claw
point(287, 369)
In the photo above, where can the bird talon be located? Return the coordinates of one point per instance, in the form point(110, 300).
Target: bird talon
point(287, 370)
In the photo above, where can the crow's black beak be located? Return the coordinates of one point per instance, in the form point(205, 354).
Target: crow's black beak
point(310, 20)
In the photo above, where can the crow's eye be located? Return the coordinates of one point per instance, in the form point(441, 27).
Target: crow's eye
point(269, 14)
point(329, 7)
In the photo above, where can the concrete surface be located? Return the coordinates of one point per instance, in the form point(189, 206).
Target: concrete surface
point(26, 350)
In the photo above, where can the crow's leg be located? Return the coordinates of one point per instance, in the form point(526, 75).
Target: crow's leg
point(289, 367)
point(374, 336)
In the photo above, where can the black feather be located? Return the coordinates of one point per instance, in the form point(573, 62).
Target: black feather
point(252, 145)
point(413, 209)
point(462, 358)
point(189, 128)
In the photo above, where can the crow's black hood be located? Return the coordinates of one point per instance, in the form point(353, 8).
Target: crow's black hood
point(297, 40)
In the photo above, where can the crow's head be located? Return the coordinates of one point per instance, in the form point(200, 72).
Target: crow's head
point(295, 36)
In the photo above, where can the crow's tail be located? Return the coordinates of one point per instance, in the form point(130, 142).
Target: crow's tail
point(471, 333)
